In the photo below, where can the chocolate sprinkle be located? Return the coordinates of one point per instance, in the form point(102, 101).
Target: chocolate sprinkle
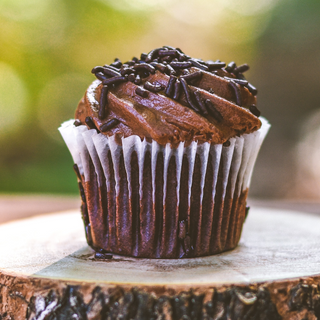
point(177, 90)
point(137, 80)
point(110, 72)
point(254, 110)
point(238, 81)
point(109, 125)
point(231, 66)
point(167, 60)
point(114, 80)
point(131, 77)
point(252, 89)
point(145, 67)
point(192, 76)
point(236, 91)
point(215, 65)
point(97, 69)
point(170, 87)
point(125, 71)
point(159, 66)
point(77, 123)
point(151, 54)
point(111, 67)
point(242, 68)
point(142, 92)
point(152, 87)
point(117, 63)
point(199, 65)
point(89, 122)
point(186, 90)
point(169, 70)
point(143, 56)
point(201, 105)
point(213, 110)
point(180, 65)
point(171, 53)
point(103, 102)
point(100, 76)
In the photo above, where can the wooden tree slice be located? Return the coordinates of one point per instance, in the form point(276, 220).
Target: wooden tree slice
point(47, 271)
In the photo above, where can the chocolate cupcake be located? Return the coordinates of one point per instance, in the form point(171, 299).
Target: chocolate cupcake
point(164, 147)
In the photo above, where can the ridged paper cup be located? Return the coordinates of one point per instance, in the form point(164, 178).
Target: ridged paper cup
point(146, 200)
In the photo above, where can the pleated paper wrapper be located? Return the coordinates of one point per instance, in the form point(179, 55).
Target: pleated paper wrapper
point(146, 200)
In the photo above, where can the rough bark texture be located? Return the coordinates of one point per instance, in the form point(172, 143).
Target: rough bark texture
point(35, 298)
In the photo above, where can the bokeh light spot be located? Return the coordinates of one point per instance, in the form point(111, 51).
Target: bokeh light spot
point(22, 9)
point(13, 95)
point(58, 102)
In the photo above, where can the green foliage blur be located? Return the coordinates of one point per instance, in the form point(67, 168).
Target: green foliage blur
point(48, 48)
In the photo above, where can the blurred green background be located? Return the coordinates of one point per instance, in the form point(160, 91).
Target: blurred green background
point(48, 48)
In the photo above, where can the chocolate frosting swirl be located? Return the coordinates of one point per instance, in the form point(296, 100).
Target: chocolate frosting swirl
point(141, 97)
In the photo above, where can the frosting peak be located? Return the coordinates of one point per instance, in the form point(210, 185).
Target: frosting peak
point(169, 97)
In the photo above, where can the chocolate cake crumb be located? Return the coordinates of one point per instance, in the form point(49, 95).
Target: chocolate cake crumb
point(182, 229)
point(109, 125)
point(254, 110)
point(103, 256)
point(213, 110)
point(142, 92)
point(227, 143)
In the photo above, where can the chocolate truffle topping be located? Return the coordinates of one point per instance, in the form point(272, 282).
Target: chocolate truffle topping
point(170, 97)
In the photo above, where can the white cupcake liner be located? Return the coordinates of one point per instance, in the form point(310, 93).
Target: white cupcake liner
point(212, 226)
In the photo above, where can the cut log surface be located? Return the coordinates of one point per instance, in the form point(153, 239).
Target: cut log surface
point(47, 271)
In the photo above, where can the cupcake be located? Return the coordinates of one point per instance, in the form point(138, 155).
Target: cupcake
point(163, 148)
